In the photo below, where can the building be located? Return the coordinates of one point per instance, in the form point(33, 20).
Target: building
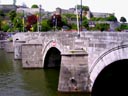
point(30, 10)
point(7, 8)
point(65, 11)
point(102, 15)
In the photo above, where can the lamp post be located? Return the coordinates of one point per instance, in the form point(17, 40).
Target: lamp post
point(81, 11)
point(54, 21)
point(78, 26)
point(39, 20)
point(40, 17)
point(23, 21)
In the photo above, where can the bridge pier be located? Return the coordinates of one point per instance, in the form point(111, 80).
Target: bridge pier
point(32, 56)
point(17, 49)
point(2, 44)
point(74, 72)
point(9, 46)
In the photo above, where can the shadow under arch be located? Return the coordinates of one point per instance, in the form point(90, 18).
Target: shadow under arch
point(52, 58)
point(113, 79)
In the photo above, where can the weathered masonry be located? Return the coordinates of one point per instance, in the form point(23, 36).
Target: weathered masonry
point(81, 59)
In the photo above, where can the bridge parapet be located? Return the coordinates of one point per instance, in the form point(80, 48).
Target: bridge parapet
point(94, 42)
point(98, 42)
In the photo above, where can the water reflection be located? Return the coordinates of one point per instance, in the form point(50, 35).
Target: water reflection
point(10, 80)
point(15, 81)
point(38, 81)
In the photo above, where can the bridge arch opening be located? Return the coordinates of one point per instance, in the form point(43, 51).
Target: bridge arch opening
point(52, 58)
point(113, 79)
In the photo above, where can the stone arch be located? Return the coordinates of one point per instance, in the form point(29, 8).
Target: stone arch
point(105, 59)
point(52, 44)
point(52, 58)
point(112, 79)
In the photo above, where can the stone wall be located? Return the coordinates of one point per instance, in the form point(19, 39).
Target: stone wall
point(9, 46)
point(2, 44)
point(31, 56)
point(17, 49)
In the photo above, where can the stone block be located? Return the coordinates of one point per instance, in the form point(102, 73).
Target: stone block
point(17, 49)
point(73, 73)
point(31, 56)
point(9, 46)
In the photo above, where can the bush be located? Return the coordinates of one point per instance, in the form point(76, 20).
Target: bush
point(5, 27)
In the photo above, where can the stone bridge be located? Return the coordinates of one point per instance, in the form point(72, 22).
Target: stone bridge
point(83, 61)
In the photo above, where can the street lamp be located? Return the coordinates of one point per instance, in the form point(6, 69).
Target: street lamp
point(23, 21)
point(54, 21)
point(39, 19)
point(81, 11)
point(78, 26)
point(79, 22)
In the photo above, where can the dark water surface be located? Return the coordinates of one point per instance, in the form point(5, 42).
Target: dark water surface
point(16, 81)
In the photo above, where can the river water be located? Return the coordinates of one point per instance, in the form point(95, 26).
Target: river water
point(16, 81)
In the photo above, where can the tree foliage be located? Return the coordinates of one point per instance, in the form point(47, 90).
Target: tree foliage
point(70, 16)
point(85, 8)
point(1, 16)
point(111, 18)
point(45, 25)
point(31, 20)
point(101, 27)
point(34, 6)
point(98, 19)
point(12, 15)
point(64, 20)
point(5, 27)
point(122, 27)
point(17, 23)
point(123, 19)
point(85, 23)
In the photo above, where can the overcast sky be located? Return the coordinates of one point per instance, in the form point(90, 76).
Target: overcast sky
point(119, 7)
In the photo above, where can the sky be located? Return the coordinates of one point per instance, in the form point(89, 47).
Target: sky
point(118, 7)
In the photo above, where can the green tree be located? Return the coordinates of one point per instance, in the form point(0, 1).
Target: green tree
point(98, 19)
point(17, 24)
point(34, 6)
point(1, 17)
point(67, 19)
point(85, 23)
point(12, 15)
point(45, 25)
point(64, 20)
point(122, 27)
point(85, 8)
point(5, 27)
point(101, 27)
point(123, 19)
point(111, 18)
point(73, 26)
point(69, 16)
